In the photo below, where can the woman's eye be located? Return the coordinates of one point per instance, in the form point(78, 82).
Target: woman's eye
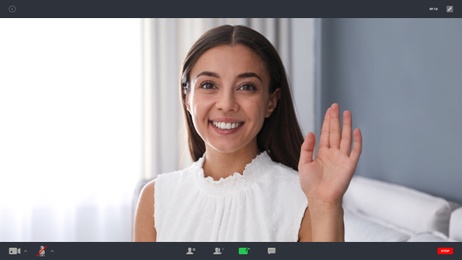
point(207, 85)
point(247, 87)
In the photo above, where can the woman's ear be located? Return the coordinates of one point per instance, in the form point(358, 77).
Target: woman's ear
point(186, 102)
point(273, 102)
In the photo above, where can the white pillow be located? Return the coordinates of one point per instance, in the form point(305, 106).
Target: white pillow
point(398, 205)
point(359, 228)
point(455, 225)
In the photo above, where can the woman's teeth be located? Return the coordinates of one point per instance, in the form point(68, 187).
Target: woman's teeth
point(226, 126)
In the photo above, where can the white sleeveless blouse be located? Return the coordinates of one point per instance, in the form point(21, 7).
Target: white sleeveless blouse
point(264, 204)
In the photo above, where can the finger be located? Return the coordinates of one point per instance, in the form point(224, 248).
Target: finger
point(357, 145)
point(324, 138)
point(334, 127)
point(345, 143)
point(307, 151)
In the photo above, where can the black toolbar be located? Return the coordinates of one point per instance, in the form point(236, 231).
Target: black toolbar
point(230, 9)
point(231, 250)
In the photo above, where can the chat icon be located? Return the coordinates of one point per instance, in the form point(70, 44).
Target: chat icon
point(271, 250)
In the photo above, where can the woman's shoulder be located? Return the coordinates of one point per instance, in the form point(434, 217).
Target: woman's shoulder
point(193, 168)
point(178, 178)
point(283, 171)
point(264, 162)
point(146, 194)
point(272, 171)
point(144, 222)
point(286, 177)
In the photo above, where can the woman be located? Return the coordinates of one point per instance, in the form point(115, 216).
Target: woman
point(254, 177)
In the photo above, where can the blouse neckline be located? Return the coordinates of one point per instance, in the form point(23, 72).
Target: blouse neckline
point(236, 181)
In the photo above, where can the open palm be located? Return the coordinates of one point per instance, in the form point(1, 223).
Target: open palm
point(326, 177)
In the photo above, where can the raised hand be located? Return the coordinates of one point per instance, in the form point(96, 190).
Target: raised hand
point(326, 177)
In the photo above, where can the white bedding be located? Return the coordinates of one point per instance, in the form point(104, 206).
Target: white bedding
point(380, 211)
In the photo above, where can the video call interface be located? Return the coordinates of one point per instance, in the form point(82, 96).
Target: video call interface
point(91, 112)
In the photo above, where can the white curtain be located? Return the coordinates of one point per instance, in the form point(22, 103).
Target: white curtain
point(165, 44)
point(70, 128)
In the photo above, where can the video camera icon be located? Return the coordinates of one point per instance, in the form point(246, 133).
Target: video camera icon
point(14, 251)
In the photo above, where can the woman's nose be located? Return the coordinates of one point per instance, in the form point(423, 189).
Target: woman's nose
point(227, 102)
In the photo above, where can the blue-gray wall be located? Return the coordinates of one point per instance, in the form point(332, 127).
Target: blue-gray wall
point(402, 80)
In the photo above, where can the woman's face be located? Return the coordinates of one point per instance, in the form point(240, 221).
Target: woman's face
point(229, 98)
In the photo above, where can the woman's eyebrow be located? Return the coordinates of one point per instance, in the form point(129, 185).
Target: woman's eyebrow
point(249, 75)
point(241, 76)
point(208, 74)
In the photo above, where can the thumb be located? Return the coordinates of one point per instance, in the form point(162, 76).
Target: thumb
point(307, 150)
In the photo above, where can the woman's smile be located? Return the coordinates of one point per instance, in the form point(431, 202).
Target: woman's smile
point(226, 126)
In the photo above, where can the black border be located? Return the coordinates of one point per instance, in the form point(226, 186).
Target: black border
point(229, 9)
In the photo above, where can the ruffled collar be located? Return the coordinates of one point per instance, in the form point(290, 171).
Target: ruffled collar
point(236, 181)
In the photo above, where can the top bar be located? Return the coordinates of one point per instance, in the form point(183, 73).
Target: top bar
point(230, 9)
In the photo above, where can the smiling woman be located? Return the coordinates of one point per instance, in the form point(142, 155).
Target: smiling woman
point(253, 174)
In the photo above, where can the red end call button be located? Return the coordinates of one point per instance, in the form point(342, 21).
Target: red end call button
point(445, 251)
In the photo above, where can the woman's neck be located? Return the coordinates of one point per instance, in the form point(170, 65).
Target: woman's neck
point(221, 165)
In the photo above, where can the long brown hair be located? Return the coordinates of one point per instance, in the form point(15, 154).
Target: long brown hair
point(280, 134)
